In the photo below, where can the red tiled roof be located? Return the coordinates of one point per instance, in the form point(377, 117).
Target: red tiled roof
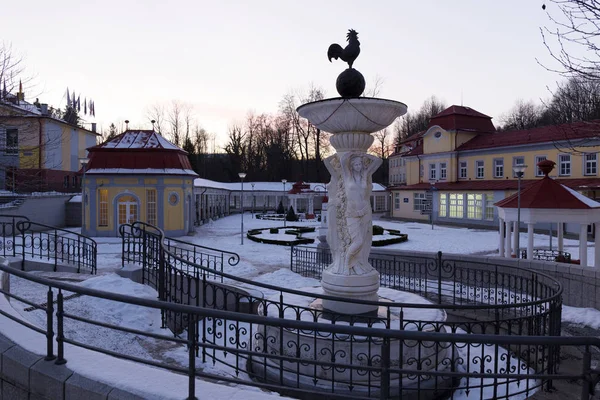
point(499, 184)
point(418, 150)
point(577, 130)
point(455, 118)
point(545, 193)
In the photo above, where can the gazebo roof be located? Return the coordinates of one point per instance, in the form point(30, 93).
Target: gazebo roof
point(548, 193)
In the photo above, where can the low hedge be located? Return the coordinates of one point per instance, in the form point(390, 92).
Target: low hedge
point(401, 237)
point(291, 230)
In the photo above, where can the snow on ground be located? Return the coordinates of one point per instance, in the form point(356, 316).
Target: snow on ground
point(260, 262)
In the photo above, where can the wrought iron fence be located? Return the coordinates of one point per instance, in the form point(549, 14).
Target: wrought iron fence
point(265, 352)
point(474, 299)
point(40, 242)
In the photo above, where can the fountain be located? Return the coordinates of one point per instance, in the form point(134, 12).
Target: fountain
point(351, 120)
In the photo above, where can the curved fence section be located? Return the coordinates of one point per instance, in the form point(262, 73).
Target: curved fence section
point(486, 366)
point(34, 241)
point(450, 297)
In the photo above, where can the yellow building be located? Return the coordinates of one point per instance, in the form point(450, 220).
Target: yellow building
point(39, 152)
point(138, 176)
point(460, 166)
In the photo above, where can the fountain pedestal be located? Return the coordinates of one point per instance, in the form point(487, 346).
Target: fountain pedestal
point(349, 233)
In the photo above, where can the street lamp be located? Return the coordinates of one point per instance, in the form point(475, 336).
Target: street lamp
point(242, 175)
point(253, 200)
point(282, 197)
point(519, 171)
point(84, 163)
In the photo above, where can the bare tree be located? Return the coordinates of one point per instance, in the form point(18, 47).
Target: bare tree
point(156, 113)
point(374, 89)
point(12, 70)
point(572, 39)
point(412, 123)
point(523, 115)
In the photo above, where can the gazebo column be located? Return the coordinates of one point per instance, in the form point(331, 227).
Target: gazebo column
point(311, 209)
point(530, 226)
point(583, 245)
point(515, 236)
point(559, 234)
point(501, 237)
point(507, 250)
point(597, 245)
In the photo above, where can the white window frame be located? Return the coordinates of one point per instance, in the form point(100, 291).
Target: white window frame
point(479, 164)
point(419, 201)
point(462, 169)
point(396, 201)
point(432, 172)
point(592, 164)
point(456, 205)
point(564, 160)
point(498, 167)
point(539, 159)
point(515, 163)
point(443, 171)
point(103, 207)
point(151, 206)
point(443, 208)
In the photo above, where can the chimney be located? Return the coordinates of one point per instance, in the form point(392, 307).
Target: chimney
point(126, 124)
point(94, 127)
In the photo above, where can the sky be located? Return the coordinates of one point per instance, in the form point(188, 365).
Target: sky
point(229, 58)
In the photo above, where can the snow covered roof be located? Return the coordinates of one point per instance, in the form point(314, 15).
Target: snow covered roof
point(267, 186)
point(146, 171)
point(138, 139)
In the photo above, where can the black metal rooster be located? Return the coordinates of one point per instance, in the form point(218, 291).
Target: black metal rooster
point(350, 52)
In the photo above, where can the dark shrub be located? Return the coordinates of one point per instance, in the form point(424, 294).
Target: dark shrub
point(274, 230)
point(280, 209)
point(291, 215)
point(377, 230)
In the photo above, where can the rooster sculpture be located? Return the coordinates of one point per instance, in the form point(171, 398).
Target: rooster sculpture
point(350, 52)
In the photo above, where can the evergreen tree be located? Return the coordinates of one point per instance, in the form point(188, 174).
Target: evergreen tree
point(291, 215)
point(71, 116)
point(280, 209)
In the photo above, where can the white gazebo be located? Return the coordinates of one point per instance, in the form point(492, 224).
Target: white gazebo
point(547, 201)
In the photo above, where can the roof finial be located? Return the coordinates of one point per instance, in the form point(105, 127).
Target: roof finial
point(546, 166)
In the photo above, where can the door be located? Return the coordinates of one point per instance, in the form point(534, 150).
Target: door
point(127, 210)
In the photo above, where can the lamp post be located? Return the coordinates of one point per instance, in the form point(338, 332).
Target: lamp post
point(84, 163)
point(253, 200)
point(519, 171)
point(242, 175)
point(283, 181)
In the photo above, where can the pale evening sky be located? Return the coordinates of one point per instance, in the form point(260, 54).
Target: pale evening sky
point(227, 58)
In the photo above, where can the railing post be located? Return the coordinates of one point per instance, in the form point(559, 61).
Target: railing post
point(161, 281)
point(439, 268)
point(50, 325)
point(55, 249)
point(78, 254)
point(385, 369)
point(59, 328)
point(586, 385)
point(192, 357)
point(144, 254)
point(23, 249)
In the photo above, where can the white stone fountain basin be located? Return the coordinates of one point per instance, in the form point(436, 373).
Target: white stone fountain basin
point(358, 115)
point(311, 345)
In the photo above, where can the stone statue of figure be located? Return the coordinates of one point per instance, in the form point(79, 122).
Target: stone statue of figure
point(352, 211)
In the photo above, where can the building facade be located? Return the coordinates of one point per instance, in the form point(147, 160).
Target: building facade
point(37, 151)
point(138, 176)
point(460, 166)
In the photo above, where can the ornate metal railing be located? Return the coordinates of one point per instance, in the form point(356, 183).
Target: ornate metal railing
point(486, 366)
point(549, 255)
point(477, 298)
point(40, 242)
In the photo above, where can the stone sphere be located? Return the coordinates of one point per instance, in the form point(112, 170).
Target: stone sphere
point(350, 83)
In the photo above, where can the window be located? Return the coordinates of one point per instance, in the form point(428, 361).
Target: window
point(462, 173)
point(538, 159)
point(455, 203)
point(498, 168)
point(519, 160)
point(591, 164)
point(443, 170)
point(103, 207)
point(420, 202)
point(379, 203)
point(479, 172)
point(475, 206)
point(489, 206)
point(65, 181)
point(396, 201)
point(432, 172)
point(564, 164)
point(151, 206)
point(443, 205)
point(12, 141)
point(75, 181)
